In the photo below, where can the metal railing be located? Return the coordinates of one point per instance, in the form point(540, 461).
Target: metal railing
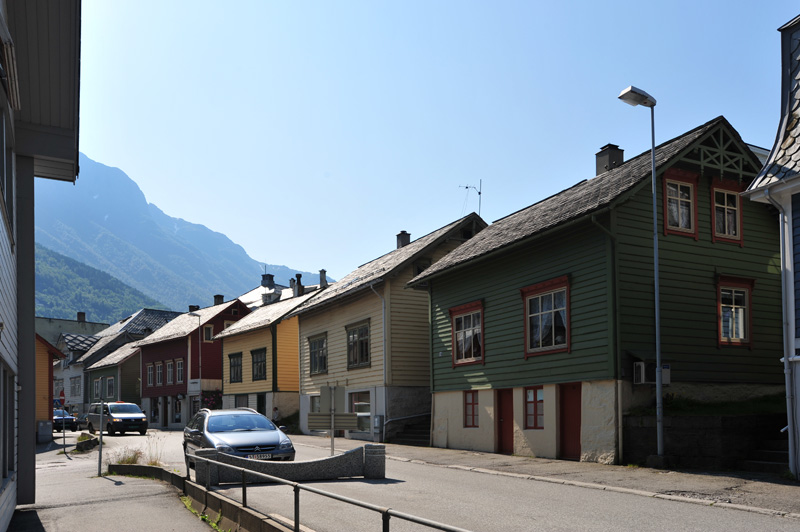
point(386, 513)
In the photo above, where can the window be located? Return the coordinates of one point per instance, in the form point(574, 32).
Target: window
point(680, 203)
point(169, 372)
point(318, 349)
point(236, 367)
point(58, 385)
point(314, 403)
point(734, 296)
point(75, 386)
point(159, 374)
point(97, 388)
point(360, 405)
point(471, 409)
point(149, 374)
point(546, 317)
point(110, 391)
point(358, 345)
point(259, 364)
point(227, 324)
point(534, 407)
point(467, 327)
point(208, 333)
point(179, 371)
point(726, 213)
point(240, 401)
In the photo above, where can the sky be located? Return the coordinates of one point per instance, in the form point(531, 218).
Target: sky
point(311, 133)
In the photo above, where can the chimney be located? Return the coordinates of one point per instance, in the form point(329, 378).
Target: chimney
point(218, 299)
point(81, 317)
point(268, 280)
point(194, 308)
point(265, 299)
point(403, 239)
point(298, 288)
point(608, 158)
point(323, 279)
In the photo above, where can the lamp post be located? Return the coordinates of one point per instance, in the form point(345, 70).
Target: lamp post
point(634, 96)
point(199, 354)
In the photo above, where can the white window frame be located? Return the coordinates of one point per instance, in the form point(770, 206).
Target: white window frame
point(97, 388)
point(149, 374)
point(179, 371)
point(170, 377)
point(159, 374)
point(110, 388)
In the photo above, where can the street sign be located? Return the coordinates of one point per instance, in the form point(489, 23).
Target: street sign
point(321, 421)
point(61, 398)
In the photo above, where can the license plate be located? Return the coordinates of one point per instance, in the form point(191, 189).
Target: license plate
point(259, 456)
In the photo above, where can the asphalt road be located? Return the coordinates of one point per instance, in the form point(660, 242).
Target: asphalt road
point(472, 500)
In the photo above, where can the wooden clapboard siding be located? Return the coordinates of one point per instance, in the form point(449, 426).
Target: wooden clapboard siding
point(130, 385)
point(582, 253)
point(8, 296)
point(332, 320)
point(688, 279)
point(288, 355)
point(410, 333)
point(244, 344)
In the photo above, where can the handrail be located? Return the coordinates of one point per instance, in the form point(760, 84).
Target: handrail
point(386, 513)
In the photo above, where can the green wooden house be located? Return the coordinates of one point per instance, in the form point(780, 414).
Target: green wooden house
point(543, 323)
point(116, 377)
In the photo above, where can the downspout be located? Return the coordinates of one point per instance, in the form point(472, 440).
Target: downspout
point(385, 359)
point(616, 337)
point(787, 342)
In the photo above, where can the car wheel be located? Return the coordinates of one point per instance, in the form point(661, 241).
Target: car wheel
point(110, 429)
point(73, 428)
point(122, 433)
point(143, 432)
point(90, 428)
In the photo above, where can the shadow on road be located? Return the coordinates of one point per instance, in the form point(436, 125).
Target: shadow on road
point(26, 521)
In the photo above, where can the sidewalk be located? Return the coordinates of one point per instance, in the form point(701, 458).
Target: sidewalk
point(756, 492)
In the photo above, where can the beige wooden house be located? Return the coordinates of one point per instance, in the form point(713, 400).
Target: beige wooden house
point(259, 357)
point(370, 336)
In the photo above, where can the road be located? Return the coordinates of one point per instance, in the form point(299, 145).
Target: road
point(472, 500)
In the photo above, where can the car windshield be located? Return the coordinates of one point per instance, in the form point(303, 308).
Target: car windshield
point(239, 422)
point(124, 409)
point(60, 413)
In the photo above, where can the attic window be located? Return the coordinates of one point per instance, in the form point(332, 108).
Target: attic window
point(235, 311)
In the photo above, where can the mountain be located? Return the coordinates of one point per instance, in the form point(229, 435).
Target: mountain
point(65, 286)
point(104, 221)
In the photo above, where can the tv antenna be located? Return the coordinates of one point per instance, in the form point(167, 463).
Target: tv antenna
point(478, 190)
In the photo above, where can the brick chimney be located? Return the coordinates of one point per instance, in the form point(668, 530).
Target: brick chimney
point(218, 299)
point(608, 158)
point(81, 317)
point(403, 239)
point(298, 289)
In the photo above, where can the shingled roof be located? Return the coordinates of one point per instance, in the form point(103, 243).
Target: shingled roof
point(783, 163)
point(78, 342)
point(115, 357)
point(97, 347)
point(264, 316)
point(580, 200)
point(185, 324)
point(141, 323)
point(376, 270)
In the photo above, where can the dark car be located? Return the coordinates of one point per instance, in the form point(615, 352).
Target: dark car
point(118, 416)
point(62, 420)
point(240, 432)
point(83, 421)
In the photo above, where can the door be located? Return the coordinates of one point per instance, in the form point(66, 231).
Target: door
point(569, 421)
point(505, 421)
point(261, 403)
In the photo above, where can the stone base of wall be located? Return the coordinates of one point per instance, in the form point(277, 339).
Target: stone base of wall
point(699, 442)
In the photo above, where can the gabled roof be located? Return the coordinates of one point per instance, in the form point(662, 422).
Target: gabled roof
point(141, 323)
point(121, 354)
point(264, 316)
point(78, 342)
point(783, 163)
point(53, 350)
point(582, 199)
point(253, 299)
point(103, 342)
point(185, 324)
point(377, 270)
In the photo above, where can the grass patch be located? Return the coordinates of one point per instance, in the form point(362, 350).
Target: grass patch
point(203, 517)
point(84, 437)
point(682, 406)
point(126, 456)
point(155, 449)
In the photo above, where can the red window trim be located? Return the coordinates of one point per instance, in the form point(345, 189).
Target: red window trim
point(539, 288)
point(727, 186)
point(474, 404)
point(535, 407)
point(681, 176)
point(735, 282)
point(461, 310)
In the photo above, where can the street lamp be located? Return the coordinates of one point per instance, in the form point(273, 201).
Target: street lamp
point(199, 353)
point(634, 96)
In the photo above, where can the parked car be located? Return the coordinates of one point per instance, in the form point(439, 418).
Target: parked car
point(83, 421)
point(240, 432)
point(119, 417)
point(63, 420)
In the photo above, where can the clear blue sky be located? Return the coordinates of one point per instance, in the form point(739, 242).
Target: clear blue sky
point(312, 133)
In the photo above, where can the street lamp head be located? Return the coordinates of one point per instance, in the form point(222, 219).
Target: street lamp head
point(634, 96)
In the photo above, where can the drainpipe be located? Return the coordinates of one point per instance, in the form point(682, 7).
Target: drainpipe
point(787, 342)
point(616, 337)
point(385, 358)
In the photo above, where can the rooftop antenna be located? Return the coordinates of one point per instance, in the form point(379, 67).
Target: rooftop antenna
point(478, 190)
